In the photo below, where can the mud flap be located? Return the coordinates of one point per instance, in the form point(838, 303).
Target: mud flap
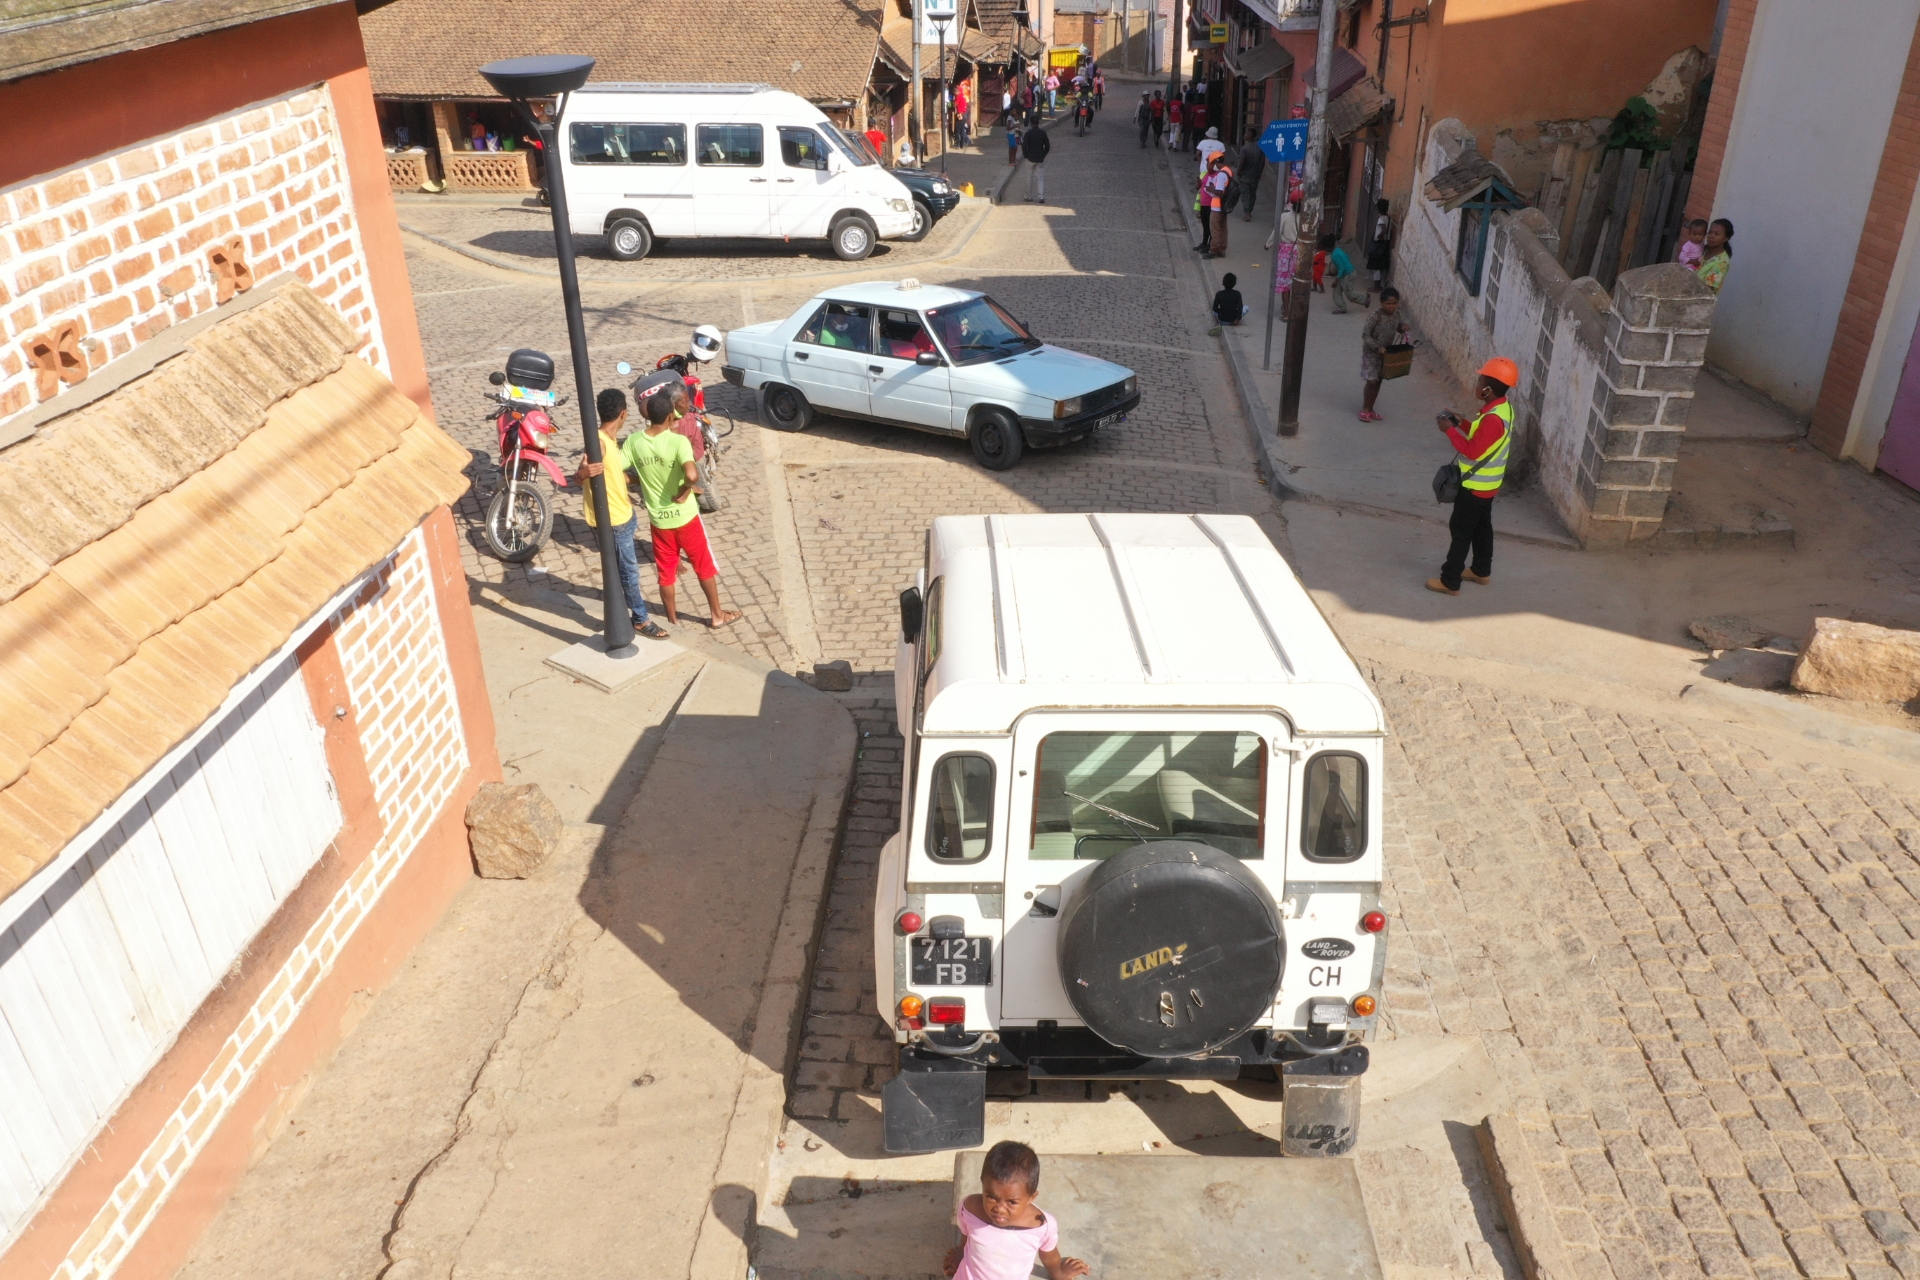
point(1320, 1107)
point(939, 1109)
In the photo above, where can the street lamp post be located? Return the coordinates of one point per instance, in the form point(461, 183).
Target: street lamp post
point(940, 20)
point(546, 76)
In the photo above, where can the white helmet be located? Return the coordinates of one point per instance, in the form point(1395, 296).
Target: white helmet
point(706, 343)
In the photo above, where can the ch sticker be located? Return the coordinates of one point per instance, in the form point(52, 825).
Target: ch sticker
point(1152, 960)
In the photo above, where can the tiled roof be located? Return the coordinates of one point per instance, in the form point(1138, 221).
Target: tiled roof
point(822, 50)
point(1355, 108)
point(160, 543)
point(896, 49)
point(1466, 178)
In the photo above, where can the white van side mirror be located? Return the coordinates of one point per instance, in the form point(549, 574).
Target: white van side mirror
point(912, 613)
point(836, 163)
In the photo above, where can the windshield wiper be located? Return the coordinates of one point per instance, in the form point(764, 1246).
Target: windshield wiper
point(1115, 813)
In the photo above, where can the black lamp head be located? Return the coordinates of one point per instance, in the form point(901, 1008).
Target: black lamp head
point(542, 76)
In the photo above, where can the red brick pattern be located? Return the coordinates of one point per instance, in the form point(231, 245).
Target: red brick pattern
point(1872, 264)
point(128, 244)
point(1734, 38)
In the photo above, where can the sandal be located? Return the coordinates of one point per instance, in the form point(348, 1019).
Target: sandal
point(653, 631)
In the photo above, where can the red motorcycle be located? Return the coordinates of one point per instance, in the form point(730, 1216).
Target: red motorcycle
point(519, 515)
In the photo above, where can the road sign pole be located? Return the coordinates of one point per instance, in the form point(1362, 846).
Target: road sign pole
point(1294, 364)
point(1283, 141)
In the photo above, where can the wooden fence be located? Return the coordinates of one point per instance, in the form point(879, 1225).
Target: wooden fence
point(1616, 210)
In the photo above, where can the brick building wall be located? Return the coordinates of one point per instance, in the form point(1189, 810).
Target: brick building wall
point(1873, 265)
point(1735, 35)
point(100, 258)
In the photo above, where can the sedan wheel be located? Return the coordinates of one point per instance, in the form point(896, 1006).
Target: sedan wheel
point(997, 440)
point(784, 409)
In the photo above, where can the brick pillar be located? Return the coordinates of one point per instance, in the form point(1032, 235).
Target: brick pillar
point(1727, 69)
point(1656, 341)
point(1880, 238)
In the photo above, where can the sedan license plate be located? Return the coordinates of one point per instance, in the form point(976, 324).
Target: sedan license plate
point(1111, 420)
point(952, 962)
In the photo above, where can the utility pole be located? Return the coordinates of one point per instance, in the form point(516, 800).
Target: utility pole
point(1295, 360)
point(916, 124)
point(1173, 47)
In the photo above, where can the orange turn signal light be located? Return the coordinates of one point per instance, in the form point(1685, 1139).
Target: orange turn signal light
point(1363, 1006)
point(910, 1006)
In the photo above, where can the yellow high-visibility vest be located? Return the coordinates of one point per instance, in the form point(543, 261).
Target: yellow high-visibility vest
point(1492, 469)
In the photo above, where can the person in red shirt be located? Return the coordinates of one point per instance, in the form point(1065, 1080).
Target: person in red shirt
point(1482, 446)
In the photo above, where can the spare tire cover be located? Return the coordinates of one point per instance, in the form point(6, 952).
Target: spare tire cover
point(1171, 949)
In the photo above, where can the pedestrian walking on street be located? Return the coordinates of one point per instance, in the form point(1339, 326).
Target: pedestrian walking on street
point(1252, 167)
point(1482, 446)
point(612, 407)
point(1209, 147)
point(1340, 267)
point(1099, 89)
point(1034, 146)
point(663, 461)
point(1143, 116)
point(1174, 110)
point(1013, 145)
point(1159, 118)
point(1219, 181)
point(1380, 252)
point(1384, 329)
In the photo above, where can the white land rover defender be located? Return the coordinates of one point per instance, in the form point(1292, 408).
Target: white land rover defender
point(1140, 831)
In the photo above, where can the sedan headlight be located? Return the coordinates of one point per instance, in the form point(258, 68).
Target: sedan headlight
point(941, 188)
point(898, 205)
point(1127, 388)
point(1066, 408)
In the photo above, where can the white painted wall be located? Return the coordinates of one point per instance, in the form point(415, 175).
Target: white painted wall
point(103, 970)
point(1816, 96)
point(1887, 357)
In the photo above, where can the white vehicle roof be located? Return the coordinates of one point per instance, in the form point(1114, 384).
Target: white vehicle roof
point(891, 293)
point(711, 101)
point(1139, 611)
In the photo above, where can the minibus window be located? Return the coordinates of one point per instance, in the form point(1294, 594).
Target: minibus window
point(629, 143)
point(855, 146)
point(729, 144)
point(801, 149)
point(1334, 807)
point(960, 809)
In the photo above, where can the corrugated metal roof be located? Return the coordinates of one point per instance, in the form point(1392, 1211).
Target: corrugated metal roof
point(173, 535)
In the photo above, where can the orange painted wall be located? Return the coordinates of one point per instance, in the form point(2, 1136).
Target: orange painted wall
point(67, 117)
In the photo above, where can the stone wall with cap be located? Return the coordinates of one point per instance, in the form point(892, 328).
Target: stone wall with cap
point(1605, 380)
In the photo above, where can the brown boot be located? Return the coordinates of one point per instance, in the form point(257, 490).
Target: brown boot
point(1434, 584)
point(1471, 576)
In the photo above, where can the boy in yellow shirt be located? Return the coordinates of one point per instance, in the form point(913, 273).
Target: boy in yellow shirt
point(612, 407)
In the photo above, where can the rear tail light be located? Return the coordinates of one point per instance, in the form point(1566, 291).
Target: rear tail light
point(1363, 1006)
point(1373, 922)
point(909, 921)
point(947, 1012)
point(910, 1006)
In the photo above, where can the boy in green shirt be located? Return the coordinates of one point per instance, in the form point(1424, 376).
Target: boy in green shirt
point(663, 461)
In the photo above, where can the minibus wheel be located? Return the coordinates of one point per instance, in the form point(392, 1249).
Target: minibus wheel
point(628, 239)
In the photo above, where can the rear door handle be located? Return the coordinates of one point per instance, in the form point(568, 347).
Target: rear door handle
point(876, 368)
point(799, 355)
point(756, 179)
point(783, 179)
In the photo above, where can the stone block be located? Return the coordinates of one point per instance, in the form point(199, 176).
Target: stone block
point(512, 830)
point(1726, 631)
point(1638, 345)
point(1659, 444)
point(1669, 377)
point(1626, 408)
point(1604, 531)
point(1674, 412)
point(1626, 473)
point(1666, 294)
point(1693, 315)
point(1687, 348)
point(1588, 487)
point(1859, 661)
point(1663, 475)
point(1609, 504)
point(833, 677)
point(1644, 504)
point(1595, 294)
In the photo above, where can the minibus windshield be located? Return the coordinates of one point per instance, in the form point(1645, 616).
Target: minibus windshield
point(854, 145)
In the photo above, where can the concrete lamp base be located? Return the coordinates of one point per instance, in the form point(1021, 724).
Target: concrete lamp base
point(587, 662)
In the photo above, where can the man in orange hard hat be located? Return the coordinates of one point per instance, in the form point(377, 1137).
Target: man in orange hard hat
point(1482, 445)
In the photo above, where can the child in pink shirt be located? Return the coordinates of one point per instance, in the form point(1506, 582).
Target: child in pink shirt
point(1005, 1229)
point(1693, 250)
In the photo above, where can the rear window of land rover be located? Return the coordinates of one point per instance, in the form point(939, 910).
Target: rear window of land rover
point(1098, 793)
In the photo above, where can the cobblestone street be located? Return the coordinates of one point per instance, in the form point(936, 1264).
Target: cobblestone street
point(1695, 964)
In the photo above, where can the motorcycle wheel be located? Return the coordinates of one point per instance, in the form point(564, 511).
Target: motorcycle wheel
point(710, 498)
point(516, 531)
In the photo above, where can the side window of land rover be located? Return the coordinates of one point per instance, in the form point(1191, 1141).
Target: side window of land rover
point(1334, 807)
point(930, 628)
point(960, 809)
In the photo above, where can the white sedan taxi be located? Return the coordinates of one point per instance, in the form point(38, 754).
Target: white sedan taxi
point(949, 361)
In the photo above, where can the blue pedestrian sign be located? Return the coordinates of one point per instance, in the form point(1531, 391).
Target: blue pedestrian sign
point(1285, 141)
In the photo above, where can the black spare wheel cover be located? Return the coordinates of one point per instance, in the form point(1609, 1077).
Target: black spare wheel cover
point(1171, 949)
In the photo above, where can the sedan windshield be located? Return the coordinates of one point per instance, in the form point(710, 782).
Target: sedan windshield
point(978, 329)
point(853, 144)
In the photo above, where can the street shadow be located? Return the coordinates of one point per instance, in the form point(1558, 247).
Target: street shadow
point(536, 245)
